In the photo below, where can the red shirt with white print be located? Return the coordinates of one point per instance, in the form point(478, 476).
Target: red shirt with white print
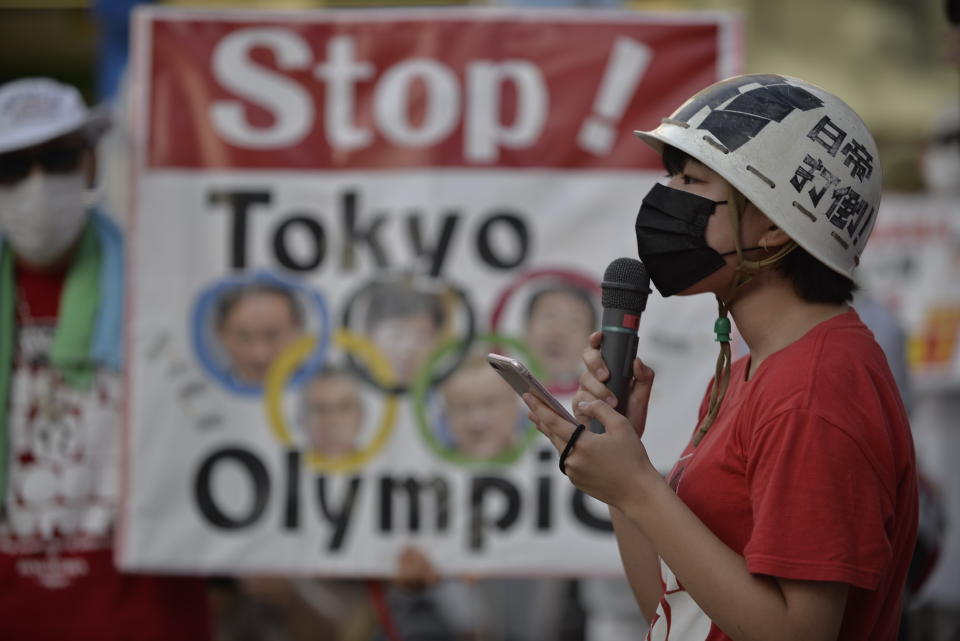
point(809, 474)
point(57, 575)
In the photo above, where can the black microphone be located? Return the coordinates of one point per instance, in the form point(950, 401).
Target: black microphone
point(624, 293)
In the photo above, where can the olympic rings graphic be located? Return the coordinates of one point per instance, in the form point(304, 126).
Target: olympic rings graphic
point(563, 276)
point(421, 385)
point(451, 297)
point(200, 330)
point(286, 363)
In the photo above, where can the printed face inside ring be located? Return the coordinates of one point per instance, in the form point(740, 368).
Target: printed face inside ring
point(523, 382)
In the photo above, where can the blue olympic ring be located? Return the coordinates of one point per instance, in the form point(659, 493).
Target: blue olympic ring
point(200, 334)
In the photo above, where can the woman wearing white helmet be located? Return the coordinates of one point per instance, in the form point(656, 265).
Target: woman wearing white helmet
point(792, 512)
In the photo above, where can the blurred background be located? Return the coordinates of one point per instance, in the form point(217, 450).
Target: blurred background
point(896, 62)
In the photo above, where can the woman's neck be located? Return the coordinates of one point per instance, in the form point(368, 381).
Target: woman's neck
point(770, 316)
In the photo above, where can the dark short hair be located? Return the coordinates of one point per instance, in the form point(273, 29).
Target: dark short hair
point(331, 370)
point(674, 160)
point(328, 372)
point(562, 288)
point(812, 280)
point(229, 300)
point(395, 300)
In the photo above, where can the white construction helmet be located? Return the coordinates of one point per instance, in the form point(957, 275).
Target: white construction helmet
point(797, 152)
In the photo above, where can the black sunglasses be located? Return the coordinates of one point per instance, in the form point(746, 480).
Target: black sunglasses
point(947, 138)
point(61, 158)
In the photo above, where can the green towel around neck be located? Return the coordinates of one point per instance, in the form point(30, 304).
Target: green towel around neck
point(77, 317)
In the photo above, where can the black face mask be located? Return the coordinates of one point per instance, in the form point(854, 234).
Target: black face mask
point(671, 238)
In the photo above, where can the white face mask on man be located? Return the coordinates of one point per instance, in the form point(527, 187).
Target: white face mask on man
point(42, 215)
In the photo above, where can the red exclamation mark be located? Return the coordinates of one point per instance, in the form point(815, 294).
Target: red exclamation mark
point(626, 66)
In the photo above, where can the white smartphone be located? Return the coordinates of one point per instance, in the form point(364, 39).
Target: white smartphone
point(523, 381)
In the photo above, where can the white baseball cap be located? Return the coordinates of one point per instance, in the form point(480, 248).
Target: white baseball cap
point(35, 110)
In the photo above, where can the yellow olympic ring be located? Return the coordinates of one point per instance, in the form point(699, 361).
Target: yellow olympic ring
point(286, 363)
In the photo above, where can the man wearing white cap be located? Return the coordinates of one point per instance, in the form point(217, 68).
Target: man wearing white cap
point(61, 268)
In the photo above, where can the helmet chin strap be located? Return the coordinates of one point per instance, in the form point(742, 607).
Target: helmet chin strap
point(746, 268)
point(745, 271)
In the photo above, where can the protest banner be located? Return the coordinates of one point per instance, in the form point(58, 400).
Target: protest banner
point(337, 214)
point(911, 265)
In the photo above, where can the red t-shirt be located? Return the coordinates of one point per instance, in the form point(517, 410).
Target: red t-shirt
point(809, 474)
point(57, 575)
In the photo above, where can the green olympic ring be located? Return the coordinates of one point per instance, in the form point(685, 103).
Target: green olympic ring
point(421, 385)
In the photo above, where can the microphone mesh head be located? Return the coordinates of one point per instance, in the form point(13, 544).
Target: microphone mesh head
point(625, 286)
